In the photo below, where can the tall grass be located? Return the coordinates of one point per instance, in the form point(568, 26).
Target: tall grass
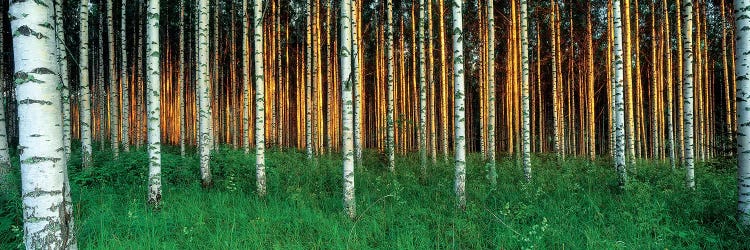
point(574, 204)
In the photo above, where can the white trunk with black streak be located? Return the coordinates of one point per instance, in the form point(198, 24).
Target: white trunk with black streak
point(62, 60)
point(114, 100)
point(687, 76)
point(85, 98)
point(203, 89)
point(525, 99)
point(422, 136)
point(742, 77)
point(390, 140)
point(619, 99)
point(124, 81)
point(347, 148)
point(47, 210)
point(459, 109)
point(260, 103)
point(356, 85)
point(245, 78)
point(153, 102)
point(491, 111)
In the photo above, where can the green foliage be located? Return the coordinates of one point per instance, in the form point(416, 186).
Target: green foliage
point(575, 204)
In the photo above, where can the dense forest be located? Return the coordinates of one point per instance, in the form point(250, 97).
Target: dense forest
point(467, 124)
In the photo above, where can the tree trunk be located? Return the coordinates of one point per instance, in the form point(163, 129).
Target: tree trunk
point(181, 78)
point(153, 103)
point(260, 110)
point(390, 147)
point(491, 146)
point(687, 76)
point(85, 101)
point(62, 60)
point(742, 76)
point(460, 122)
point(124, 81)
point(619, 105)
point(346, 100)
point(203, 89)
point(422, 91)
point(114, 100)
point(245, 78)
point(44, 186)
point(526, 130)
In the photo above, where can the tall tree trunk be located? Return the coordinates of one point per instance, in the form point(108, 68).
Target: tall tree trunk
point(245, 78)
point(308, 84)
point(390, 147)
point(124, 80)
point(44, 186)
point(590, 85)
point(491, 92)
point(742, 76)
point(5, 165)
point(459, 94)
point(204, 93)
point(114, 100)
point(62, 60)
point(422, 91)
point(260, 103)
point(619, 105)
point(85, 101)
point(670, 91)
point(687, 76)
point(181, 78)
point(153, 103)
point(526, 130)
point(555, 102)
point(443, 80)
point(356, 83)
point(346, 100)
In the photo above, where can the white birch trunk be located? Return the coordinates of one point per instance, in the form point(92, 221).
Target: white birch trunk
point(44, 188)
point(347, 117)
point(204, 110)
point(742, 77)
point(459, 109)
point(5, 166)
point(62, 60)
point(85, 99)
point(491, 93)
point(245, 78)
point(308, 85)
point(687, 76)
point(526, 127)
point(422, 90)
point(114, 99)
point(260, 103)
point(153, 103)
point(124, 81)
point(390, 140)
point(619, 100)
point(356, 85)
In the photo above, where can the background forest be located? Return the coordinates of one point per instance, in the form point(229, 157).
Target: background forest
point(236, 117)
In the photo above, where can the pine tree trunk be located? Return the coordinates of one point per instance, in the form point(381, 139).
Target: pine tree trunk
point(619, 105)
point(308, 85)
point(85, 101)
point(44, 186)
point(181, 78)
point(348, 112)
point(742, 76)
point(670, 92)
point(203, 88)
point(260, 110)
point(687, 76)
point(459, 94)
point(153, 103)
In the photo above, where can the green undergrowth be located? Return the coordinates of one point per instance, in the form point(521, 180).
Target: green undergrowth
point(575, 204)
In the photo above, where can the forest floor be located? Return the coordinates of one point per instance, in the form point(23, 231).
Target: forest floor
point(575, 204)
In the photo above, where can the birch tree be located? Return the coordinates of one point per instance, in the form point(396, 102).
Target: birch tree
point(687, 76)
point(390, 140)
point(47, 212)
point(491, 92)
point(356, 84)
point(742, 76)
point(260, 110)
point(124, 80)
point(245, 79)
point(5, 166)
point(153, 102)
point(525, 99)
point(308, 84)
point(459, 107)
point(85, 94)
point(114, 99)
point(618, 98)
point(62, 60)
point(422, 90)
point(204, 102)
point(347, 148)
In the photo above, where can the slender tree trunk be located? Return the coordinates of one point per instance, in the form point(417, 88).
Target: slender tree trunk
point(114, 100)
point(356, 84)
point(491, 146)
point(204, 94)
point(245, 78)
point(460, 122)
point(153, 103)
point(555, 102)
point(443, 80)
point(85, 101)
point(62, 60)
point(526, 130)
point(181, 85)
point(346, 100)
point(687, 76)
point(44, 186)
point(620, 162)
point(742, 76)
point(5, 165)
point(591, 81)
point(260, 103)
point(422, 90)
point(390, 147)
point(670, 92)
point(124, 80)
point(308, 85)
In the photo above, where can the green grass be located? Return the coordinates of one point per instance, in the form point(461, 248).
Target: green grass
point(572, 205)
